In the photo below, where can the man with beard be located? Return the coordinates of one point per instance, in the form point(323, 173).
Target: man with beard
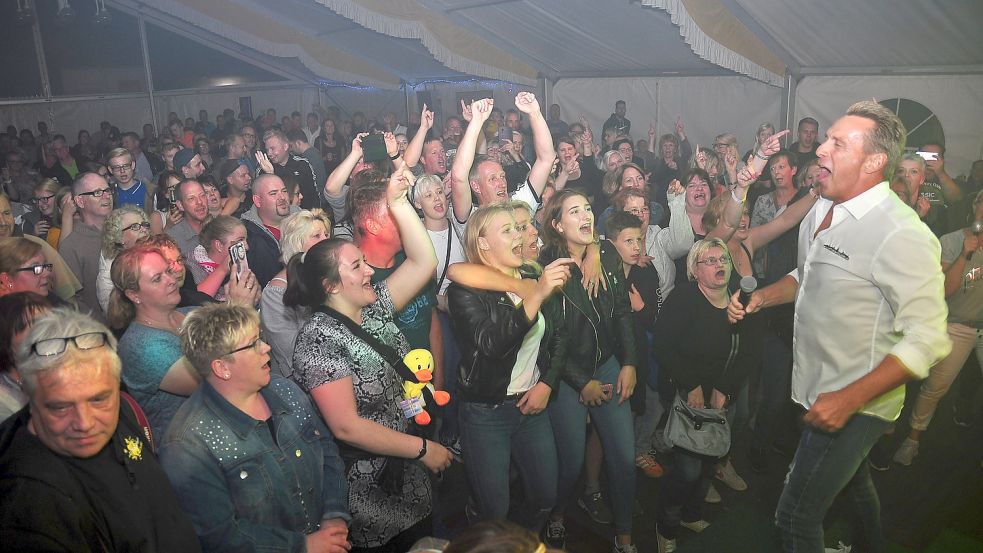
point(234, 176)
point(93, 199)
point(485, 177)
point(870, 316)
point(270, 205)
point(193, 203)
point(283, 164)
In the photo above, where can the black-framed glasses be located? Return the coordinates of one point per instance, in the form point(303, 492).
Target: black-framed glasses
point(95, 193)
point(722, 260)
point(37, 269)
point(42, 199)
point(255, 345)
point(137, 226)
point(120, 168)
point(56, 346)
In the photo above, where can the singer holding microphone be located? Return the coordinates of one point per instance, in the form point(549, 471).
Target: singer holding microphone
point(869, 316)
point(962, 265)
point(705, 358)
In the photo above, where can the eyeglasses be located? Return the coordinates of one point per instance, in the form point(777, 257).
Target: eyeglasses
point(176, 265)
point(94, 193)
point(120, 168)
point(722, 260)
point(255, 344)
point(638, 212)
point(42, 199)
point(36, 269)
point(56, 346)
point(137, 226)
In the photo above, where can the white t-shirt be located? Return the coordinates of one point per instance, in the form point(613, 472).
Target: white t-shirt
point(439, 240)
point(525, 373)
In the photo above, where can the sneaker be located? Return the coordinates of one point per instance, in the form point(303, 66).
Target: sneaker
point(696, 526)
point(596, 507)
point(649, 465)
point(713, 496)
point(878, 458)
point(627, 548)
point(556, 534)
point(840, 548)
point(758, 459)
point(729, 476)
point(907, 452)
point(666, 545)
point(961, 419)
point(455, 449)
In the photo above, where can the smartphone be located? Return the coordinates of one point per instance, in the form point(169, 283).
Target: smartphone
point(929, 156)
point(237, 258)
point(171, 196)
point(374, 148)
point(505, 133)
point(608, 391)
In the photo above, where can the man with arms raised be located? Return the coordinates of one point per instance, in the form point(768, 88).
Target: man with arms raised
point(870, 316)
point(487, 177)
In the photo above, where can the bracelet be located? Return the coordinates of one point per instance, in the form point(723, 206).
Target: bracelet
point(761, 157)
point(733, 194)
point(423, 451)
point(394, 157)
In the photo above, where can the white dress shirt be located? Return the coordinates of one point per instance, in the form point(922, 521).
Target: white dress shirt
point(870, 285)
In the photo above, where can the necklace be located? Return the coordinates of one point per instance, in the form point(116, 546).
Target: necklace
point(168, 326)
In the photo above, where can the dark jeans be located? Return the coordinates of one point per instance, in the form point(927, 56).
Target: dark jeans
point(493, 437)
point(776, 381)
point(614, 425)
point(824, 465)
point(683, 490)
point(449, 429)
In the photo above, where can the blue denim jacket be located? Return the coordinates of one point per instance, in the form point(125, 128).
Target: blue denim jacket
point(245, 491)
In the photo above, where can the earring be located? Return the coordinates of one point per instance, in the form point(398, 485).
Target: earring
point(227, 376)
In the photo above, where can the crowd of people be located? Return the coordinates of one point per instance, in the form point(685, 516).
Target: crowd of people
point(206, 332)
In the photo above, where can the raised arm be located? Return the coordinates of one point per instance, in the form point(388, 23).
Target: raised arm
point(483, 277)
point(542, 141)
point(676, 239)
point(414, 150)
point(460, 188)
point(793, 214)
point(338, 177)
point(407, 281)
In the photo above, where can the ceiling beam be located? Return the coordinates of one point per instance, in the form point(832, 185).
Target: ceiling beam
point(894, 70)
point(476, 4)
point(615, 74)
point(791, 65)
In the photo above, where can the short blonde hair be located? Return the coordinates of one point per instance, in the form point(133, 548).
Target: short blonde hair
point(476, 227)
point(297, 228)
point(699, 248)
point(212, 331)
point(112, 234)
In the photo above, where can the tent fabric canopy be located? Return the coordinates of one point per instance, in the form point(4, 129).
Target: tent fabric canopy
point(385, 43)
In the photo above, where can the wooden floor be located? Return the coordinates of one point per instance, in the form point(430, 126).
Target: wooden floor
point(934, 506)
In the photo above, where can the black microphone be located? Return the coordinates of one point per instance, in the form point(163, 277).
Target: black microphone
point(748, 285)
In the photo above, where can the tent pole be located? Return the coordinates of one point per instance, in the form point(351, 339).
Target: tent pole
point(787, 117)
point(406, 99)
point(146, 70)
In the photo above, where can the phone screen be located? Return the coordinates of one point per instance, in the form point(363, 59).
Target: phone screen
point(237, 257)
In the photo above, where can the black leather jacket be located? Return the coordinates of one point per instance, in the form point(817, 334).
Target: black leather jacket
point(490, 330)
point(587, 349)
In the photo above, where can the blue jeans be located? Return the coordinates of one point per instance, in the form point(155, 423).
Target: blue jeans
point(614, 425)
point(683, 490)
point(492, 436)
point(824, 465)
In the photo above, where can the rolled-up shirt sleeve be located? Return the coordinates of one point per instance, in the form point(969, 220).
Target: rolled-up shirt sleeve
point(907, 271)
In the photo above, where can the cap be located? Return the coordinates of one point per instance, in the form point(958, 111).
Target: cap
point(183, 157)
point(227, 168)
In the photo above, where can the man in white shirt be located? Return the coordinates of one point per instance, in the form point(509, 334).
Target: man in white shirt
point(870, 315)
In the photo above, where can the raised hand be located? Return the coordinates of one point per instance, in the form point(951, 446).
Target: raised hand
point(465, 111)
point(264, 162)
point(481, 109)
point(357, 143)
point(526, 102)
point(426, 118)
point(773, 144)
point(679, 127)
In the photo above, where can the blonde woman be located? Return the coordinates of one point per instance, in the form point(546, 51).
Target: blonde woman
point(123, 228)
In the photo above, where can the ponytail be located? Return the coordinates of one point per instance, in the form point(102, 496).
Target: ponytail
point(308, 274)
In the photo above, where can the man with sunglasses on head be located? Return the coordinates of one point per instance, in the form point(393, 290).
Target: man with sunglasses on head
point(78, 471)
point(93, 200)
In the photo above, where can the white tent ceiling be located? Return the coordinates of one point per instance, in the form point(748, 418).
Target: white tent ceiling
point(384, 43)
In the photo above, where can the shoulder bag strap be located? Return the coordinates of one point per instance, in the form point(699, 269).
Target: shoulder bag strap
point(141, 419)
point(447, 255)
point(386, 352)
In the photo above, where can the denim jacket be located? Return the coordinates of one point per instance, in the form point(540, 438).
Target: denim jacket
point(242, 489)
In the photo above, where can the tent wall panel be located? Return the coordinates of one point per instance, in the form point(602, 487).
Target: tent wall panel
point(708, 105)
point(957, 100)
point(70, 116)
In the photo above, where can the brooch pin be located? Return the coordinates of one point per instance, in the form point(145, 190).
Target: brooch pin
point(133, 448)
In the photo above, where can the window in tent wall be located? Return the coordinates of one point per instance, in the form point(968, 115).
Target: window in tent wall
point(922, 125)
